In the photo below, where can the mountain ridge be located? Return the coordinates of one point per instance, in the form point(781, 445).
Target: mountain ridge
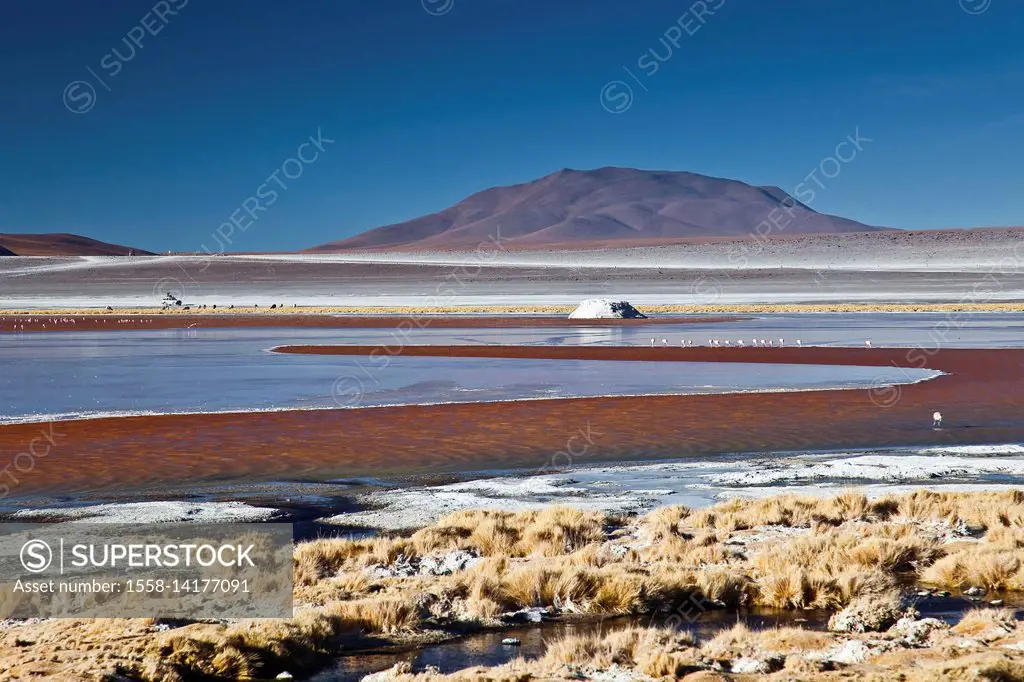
point(606, 205)
point(61, 244)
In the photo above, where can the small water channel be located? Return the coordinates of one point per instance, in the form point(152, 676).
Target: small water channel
point(486, 648)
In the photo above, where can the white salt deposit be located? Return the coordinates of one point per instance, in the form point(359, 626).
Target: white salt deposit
point(603, 309)
point(874, 468)
point(977, 450)
point(640, 487)
point(872, 491)
point(154, 512)
point(417, 507)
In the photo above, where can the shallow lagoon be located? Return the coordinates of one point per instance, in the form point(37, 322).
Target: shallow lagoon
point(83, 374)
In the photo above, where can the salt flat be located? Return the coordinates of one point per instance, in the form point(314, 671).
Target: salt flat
point(151, 512)
point(974, 266)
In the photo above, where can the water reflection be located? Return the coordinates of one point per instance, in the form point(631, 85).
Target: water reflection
point(69, 375)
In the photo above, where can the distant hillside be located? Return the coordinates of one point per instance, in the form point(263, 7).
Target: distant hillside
point(607, 206)
point(61, 245)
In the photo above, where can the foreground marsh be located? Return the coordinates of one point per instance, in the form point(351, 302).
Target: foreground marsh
point(488, 569)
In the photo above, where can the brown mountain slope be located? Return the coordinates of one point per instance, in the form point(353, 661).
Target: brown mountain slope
point(609, 206)
point(60, 244)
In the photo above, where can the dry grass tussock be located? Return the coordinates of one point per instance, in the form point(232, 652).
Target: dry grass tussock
point(262, 648)
point(987, 623)
point(553, 531)
point(652, 651)
point(992, 568)
point(739, 640)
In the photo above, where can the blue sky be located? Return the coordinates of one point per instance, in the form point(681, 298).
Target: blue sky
point(427, 102)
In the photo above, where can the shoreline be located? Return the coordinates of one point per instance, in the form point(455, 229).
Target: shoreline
point(502, 310)
point(979, 395)
point(54, 321)
point(63, 418)
point(451, 317)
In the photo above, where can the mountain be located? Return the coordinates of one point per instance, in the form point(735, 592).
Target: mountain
point(607, 206)
point(61, 245)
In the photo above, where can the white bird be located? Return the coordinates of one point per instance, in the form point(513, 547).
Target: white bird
point(664, 342)
point(798, 342)
point(740, 342)
point(728, 342)
point(652, 343)
point(868, 343)
point(782, 342)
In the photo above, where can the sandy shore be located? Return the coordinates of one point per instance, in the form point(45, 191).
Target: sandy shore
point(980, 398)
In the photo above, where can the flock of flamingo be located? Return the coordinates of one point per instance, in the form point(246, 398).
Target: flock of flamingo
point(740, 343)
point(57, 321)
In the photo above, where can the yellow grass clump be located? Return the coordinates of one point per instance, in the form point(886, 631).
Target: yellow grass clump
point(652, 651)
point(986, 623)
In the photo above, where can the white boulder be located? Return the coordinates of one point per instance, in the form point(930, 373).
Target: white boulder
point(605, 308)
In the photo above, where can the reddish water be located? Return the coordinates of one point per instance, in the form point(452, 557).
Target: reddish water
point(981, 400)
